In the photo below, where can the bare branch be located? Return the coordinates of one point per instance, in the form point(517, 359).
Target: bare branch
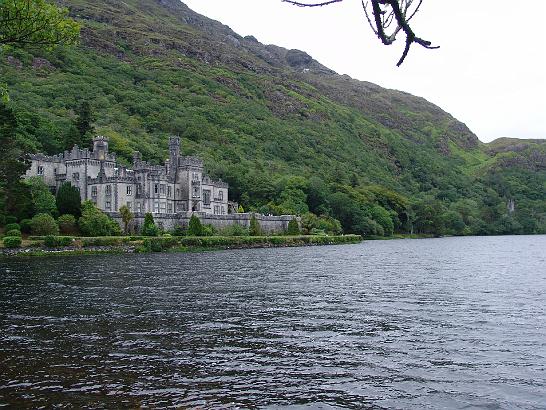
point(325, 3)
point(383, 15)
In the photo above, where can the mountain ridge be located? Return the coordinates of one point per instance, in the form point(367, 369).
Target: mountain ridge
point(271, 122)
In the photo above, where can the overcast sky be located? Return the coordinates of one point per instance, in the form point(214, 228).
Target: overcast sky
point(490, 71)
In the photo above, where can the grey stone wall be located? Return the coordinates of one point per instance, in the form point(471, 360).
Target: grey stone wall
point(268, 224)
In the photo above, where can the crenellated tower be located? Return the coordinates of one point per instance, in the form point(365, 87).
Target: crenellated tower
point(174, 150)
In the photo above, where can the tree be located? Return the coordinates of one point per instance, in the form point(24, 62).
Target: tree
point(126, 216)
point(81, 132)
point(14, 195)
point(94, 222)
point(43, 201)
point(25, 23)
point(69, 200)
point(387, 18)
point(195, 228)
point(293, 228)
point(149, 228)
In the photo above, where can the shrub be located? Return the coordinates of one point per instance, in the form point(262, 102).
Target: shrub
point(12, 241)
point(13, 232)
point(25, 225)
point(149, 228)
point(208, 230)
point(195, 228)
point(12, 226)
point(10, 220)
point(179, 231)
point(2, 219)
point(44, 224)
point(94, 222)
point(160, 244)
point(234, 230)
point(67, 223)
point(293, 228)
point(52, 241)
point(254, 229)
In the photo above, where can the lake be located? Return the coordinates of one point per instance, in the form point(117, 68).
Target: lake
point(435, 323)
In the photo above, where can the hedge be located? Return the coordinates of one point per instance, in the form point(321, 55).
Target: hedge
point(58, 241)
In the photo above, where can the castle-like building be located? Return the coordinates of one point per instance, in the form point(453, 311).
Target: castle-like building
point(179, 186)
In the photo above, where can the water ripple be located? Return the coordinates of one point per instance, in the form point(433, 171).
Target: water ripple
point(443, 323)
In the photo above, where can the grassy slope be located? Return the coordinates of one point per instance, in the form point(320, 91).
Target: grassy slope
point(153, 70)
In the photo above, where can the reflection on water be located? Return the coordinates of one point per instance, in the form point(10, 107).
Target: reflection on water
point(440, 323)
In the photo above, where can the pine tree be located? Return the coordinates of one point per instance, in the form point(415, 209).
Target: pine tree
point(69, 200)
point(195, 228)
point(149, 228)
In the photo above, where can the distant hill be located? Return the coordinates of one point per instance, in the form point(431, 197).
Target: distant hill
point(274, 123)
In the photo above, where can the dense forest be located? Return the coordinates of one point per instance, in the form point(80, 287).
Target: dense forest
point(289, 135)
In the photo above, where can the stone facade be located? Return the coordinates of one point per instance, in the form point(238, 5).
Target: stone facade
point(180, 185)
point(171, 192)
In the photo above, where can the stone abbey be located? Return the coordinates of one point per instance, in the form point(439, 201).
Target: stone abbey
point(171, 192)
point(177, 186)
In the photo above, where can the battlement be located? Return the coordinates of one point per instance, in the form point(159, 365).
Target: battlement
point(190, 162)
point(47, 158)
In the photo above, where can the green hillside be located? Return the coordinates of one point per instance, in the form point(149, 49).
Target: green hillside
point(288, 134)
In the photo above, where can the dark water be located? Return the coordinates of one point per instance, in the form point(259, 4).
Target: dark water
point(441, 323)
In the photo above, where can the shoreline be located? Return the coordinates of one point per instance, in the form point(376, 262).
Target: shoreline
point(124, 245)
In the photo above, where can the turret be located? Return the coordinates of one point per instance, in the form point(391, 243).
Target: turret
point(100, 147)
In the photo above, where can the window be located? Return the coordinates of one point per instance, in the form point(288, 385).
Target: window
point(108, 205)
point(216, 210)
point(221, 195)
point(169, 191)
point(195, 192)
point(162, 207)
point(139, 189)
point(206, 197)
point(76, 176)
point(40, 170)
point(156, 207)
point(94, 192)
point(223, 210)
point(162, 189)
point(129, 190)
point(55, 171)
point(177, 193)
point(108, 189)
point(139, 207)
point(156, 188)
point(195, 176)
point(170, 208)
point(130, 206)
